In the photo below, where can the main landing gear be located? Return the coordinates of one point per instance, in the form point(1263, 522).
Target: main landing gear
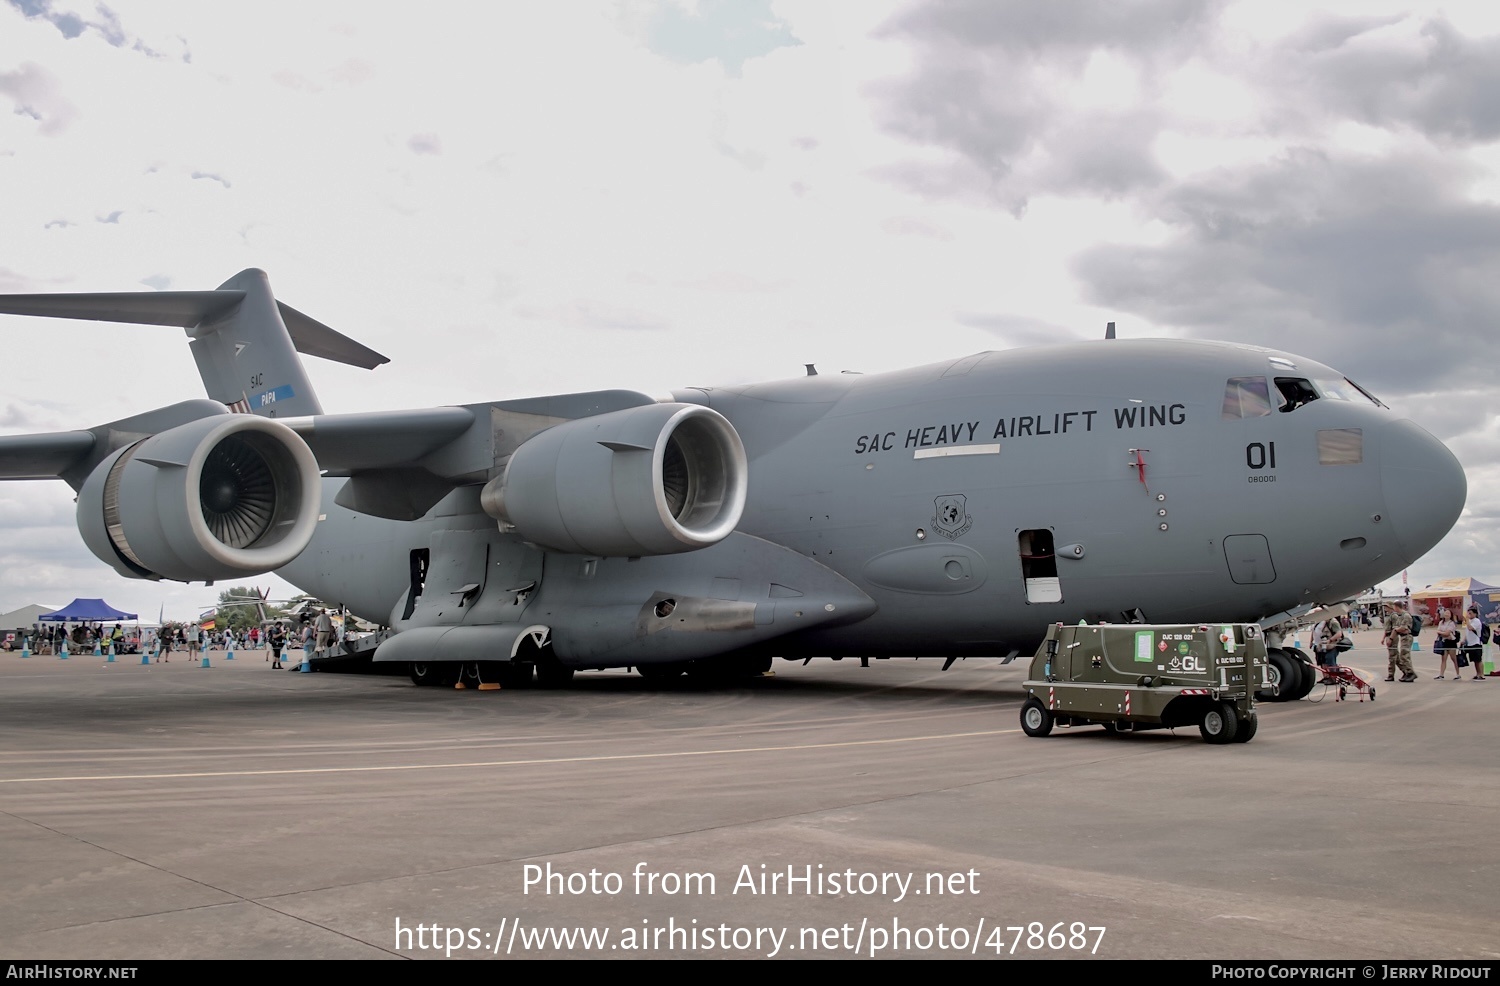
point(1290, 675)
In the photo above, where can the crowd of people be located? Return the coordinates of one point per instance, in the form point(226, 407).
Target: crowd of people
point(1459, 639)
point(314, 632)
point(49, 638)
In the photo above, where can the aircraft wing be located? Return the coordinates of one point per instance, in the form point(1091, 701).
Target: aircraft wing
point(42, 456)
point(380, 447)
point(399, 463)
point(346, 444)
point(72, 455)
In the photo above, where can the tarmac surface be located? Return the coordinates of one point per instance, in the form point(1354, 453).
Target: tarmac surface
point(172, 811)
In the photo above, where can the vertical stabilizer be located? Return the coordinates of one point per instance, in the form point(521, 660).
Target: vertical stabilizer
point(244, 341)
point(246, 358)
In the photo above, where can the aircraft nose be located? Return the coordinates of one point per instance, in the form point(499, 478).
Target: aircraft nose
point(1424, 487)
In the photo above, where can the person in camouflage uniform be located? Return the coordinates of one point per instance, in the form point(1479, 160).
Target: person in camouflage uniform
point(1397, 642)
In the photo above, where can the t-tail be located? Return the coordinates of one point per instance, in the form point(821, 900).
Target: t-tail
point(244, 341)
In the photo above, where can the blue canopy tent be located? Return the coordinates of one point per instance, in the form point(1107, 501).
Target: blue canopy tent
point(87, 611)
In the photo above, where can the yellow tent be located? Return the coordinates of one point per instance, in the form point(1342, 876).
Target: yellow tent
point(1454, 589)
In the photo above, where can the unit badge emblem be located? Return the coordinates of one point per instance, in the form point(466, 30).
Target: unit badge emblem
point(952, 520)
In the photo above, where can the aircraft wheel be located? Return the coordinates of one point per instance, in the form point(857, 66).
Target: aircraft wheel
point(1299, 679)
point(660, 672)
point(1247, 729)
point(1372, 694)
point(1219, 723)
point(1036, 718)
point(727, 667)
point(1307, 669)
point(1296, 678)
point(1273, 680)
point(757, 665)
point(423, 673)
point(550, 672)
point(1283, 678)
point(513, 674)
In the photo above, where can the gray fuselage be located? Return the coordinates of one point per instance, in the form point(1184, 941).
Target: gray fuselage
point(978, 500)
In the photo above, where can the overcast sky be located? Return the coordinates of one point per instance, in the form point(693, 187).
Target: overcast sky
point(530, 198)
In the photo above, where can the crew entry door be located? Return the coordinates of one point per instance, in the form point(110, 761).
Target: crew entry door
point(1039, 566)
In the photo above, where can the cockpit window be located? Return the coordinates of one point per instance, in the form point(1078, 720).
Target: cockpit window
point(1246, 397)
point(1368, 396)
point(1341, 446)
point(1295, 392)
point(1335, 388)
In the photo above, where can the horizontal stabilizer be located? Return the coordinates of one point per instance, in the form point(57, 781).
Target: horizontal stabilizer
point(183, 309)
point(313, 338)
point(186, 309)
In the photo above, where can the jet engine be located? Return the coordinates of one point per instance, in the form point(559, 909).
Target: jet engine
point(219, 497)
point(649, 480)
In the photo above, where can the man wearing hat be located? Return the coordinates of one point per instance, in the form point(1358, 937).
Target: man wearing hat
point(1397, 642)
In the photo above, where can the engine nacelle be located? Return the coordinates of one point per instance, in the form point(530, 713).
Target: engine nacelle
point(224, 496)
point(649, 480)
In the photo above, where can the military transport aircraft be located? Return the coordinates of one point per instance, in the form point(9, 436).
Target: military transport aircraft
point(952, 510)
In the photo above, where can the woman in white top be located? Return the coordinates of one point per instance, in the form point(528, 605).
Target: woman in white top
point(1447, 644)
point(1473, 649)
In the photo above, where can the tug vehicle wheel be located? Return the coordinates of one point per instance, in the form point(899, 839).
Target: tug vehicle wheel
point(1219, 723)
point(1036, 718)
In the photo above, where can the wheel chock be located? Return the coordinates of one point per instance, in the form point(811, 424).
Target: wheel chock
point(459, 686)
point(489, 686)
